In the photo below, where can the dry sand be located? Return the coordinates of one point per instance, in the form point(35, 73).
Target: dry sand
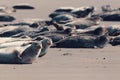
point(65, 64)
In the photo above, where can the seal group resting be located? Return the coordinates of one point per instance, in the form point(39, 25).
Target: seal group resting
point(75, 12)
point(82, 42)
point(26, 56)
point(109, 14)
point(23, 51)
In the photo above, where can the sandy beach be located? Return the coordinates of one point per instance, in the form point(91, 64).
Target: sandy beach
point(62, 63)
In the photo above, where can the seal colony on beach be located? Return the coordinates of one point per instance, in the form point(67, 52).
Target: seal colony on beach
point(68, 27)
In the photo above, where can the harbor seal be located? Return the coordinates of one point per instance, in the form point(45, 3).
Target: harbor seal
point(6, 18)
point(30, 54)
point(115, 41)
point(27, 56)
point(83, 23)
point(82, 42)
point(23, 6)
point(63, 18)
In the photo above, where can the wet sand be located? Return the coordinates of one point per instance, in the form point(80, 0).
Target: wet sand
point(65, 64)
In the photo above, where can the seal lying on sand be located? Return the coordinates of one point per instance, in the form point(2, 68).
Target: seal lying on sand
point(63, 18)
point(111, 17)
point(27, 56)
point(83, 12)
point(82, 42)
point(115, 41)
point(113, 30)
point(94, 32)
point(23, 6)
point(84, 23)
point(6, 18)
point(9, 31)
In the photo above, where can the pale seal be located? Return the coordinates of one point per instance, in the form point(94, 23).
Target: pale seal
point(27, 56)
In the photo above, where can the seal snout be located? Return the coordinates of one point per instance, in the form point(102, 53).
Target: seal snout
point(49, 42)
point(101, 41)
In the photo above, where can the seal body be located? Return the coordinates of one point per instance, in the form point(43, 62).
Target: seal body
point(23, 6)
point(9, 58)
point(27, 55)
point(31, 53)
point(82, 42)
